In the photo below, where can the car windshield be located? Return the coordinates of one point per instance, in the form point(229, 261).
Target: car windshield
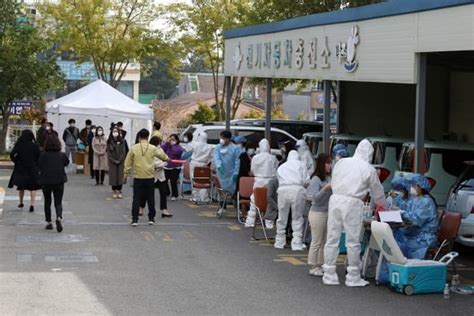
point(466, 180)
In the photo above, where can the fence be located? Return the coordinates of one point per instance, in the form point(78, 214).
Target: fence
point(14, 132)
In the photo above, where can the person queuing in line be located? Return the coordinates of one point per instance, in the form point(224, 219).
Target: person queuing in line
point(156, 130)
point(99, 145)
point(305, 155)
point(25, 176)
point(39, 133)
point(160, 179)
point(173, 149)
point(264, 168)
point(201, 157)
point(318, 193)
point(352, 179)
point(70, 138)
point(292, 177)
point(244, 158)
point(227, 163)
point(116, 153)
point(122, 132)
point(48, 130)
point(90, 150)
point(399, 196)
point(141, 158)
point(52, 179)
point(84, 133)
point(422, 217)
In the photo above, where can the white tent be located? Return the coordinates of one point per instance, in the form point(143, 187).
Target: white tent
point(102, 104)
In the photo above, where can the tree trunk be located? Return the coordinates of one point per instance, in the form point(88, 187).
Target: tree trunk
point(4, 131)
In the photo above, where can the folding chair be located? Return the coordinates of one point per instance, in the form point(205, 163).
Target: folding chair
point(383, 174)
point(243, 196)
point(261, 201)
point(185, 177)
point(447, 234)
point(222, 197)
point(202, 179)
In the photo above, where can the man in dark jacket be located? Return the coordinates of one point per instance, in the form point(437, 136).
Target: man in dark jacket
point(48, 130)
point(85, 132)
point(40, 132)
point(70, 137)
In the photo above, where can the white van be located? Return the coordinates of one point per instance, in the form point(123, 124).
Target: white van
point(443, 162)
point(252, 133)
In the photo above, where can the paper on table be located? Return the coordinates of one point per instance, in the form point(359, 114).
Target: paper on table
point(391, 217)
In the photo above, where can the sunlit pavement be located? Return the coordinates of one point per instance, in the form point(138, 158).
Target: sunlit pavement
point(193, 264)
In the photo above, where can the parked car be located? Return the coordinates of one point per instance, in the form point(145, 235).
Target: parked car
point(252, 133)
point(443, 162)
point(293, 127)
point(386, 152)
point(315, 142)
point(461, 200)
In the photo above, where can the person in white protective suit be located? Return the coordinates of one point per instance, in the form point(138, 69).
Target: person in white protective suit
point(201, 157)
point(352, 178)
point(292, 176)
point(264, 168)
point(306, 156)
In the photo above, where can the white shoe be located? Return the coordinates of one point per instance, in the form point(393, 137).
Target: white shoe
point(173, 199)
point(250, 222)
point(269, 224)
point(115, 195)
point(330, 279)
point(279, 244)
point(316, 272)
point(358, 282)
point(220, 211)
point(120, 196)
point(298, 246)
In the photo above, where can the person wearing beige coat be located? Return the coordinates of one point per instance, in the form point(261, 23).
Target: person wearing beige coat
point(99, 144)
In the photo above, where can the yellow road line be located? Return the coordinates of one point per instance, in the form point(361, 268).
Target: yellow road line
point(166, 237)
point(148, 236)
point(291, 260)
point(234, 227)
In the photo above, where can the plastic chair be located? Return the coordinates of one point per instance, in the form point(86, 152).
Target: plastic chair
point(185, 176)
point(202, 179)
point(383, 174)
point(243, 196)
point(261, 201)
point(447, 234)
point(222, 196)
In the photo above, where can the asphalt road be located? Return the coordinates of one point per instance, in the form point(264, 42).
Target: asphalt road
point(190, 264)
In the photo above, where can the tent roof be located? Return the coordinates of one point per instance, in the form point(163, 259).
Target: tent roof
point(99, 99)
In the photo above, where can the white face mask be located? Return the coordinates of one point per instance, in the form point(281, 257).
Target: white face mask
point(100, 133)
point(221, 141)
point(413, 191)
point(72, 125)
point(185, 139)
point(251, 151)
point(172, 142)
point(93, 131)
point(48, 127)
point(115, 134)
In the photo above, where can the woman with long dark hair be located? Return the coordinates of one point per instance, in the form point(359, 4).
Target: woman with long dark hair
point(52, 178)
point(318, 193)
point(99, 145)
point(25, 175)
point(116, 153)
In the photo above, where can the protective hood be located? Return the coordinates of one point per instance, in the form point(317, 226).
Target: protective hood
point(264, 146)
point(364, 151)
point(301, 145)
point(293, 155)
point(202, 137)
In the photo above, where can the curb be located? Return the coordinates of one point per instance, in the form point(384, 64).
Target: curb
point(6, 165)
point(2, 200)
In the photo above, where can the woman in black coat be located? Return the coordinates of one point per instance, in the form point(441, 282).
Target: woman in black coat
point(52, 178)
point(25, 175)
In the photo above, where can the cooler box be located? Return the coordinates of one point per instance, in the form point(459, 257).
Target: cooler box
point(410, 276)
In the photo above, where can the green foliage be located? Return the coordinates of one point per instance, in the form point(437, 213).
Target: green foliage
point(27, 68)
point(111, 33)
point(202, 115)
point(302, 116)
point(157, 78)
point(278, 112)
point(253, 115)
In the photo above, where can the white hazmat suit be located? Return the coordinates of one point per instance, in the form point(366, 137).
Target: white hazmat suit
point(201, 157)
point(292, 176)
point(306, 156)
point(264, 168)
point(352, 179)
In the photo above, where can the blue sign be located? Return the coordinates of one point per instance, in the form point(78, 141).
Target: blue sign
point(17, 107)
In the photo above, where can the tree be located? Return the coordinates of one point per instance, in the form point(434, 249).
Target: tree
point(157, 78)
point(202, 25)
point(202, 115)
point(111, 33)
point(27, 66)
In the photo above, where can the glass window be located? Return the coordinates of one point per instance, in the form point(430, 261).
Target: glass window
point(453, 160)
point(213, 136)
point(193, 82)
point(277, 137)
point(252, 136)
point(379, 153)
point(407, 161)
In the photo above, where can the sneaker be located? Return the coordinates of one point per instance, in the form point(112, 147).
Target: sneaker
point(173, 199)
point(59, 226)
point(49, 226)
point(269, 224)
point(318, 271)
point(250, 222)
point(120, 196)
point(115, 195)
point(151, 222)
point(134, 224)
